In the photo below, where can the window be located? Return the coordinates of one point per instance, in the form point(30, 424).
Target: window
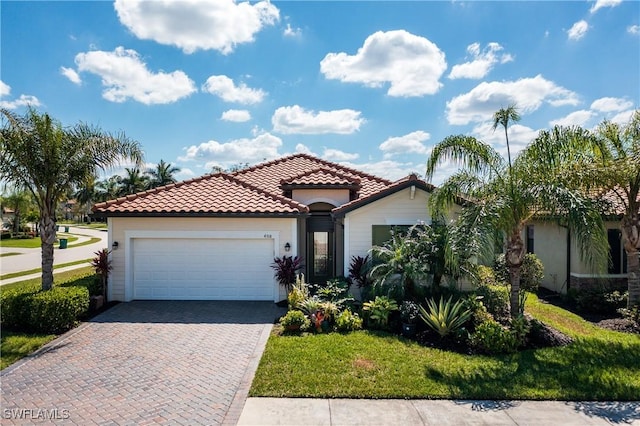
point(617, 254)
point(380, 234)
point(529, 230)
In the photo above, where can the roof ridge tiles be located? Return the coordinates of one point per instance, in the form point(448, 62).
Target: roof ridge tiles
point(321, 170)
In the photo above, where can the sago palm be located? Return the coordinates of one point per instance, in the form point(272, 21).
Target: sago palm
point(48, 160)
point(504, 196)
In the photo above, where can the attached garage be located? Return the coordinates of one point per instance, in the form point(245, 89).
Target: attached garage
point(202, 269)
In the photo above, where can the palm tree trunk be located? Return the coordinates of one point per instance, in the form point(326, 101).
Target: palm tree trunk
point(514, 258)
point(631, 237)
point(47, 238)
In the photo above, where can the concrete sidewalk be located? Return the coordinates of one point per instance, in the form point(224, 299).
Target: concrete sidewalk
point(299, 411)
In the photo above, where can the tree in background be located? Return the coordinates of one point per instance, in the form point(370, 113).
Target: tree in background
point(504, 196)
point(162, 174)
point(133, 181)
point(40, 155)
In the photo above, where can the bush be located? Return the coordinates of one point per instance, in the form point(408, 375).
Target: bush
point(379, 310)
point(298, 294)
point(294, 319)
point(531, 273)
point(347, 321)
point(485, 276)
point(600, 300)
point(492, 338)
point(409, 312)
point(496, 299)
point(52, 311)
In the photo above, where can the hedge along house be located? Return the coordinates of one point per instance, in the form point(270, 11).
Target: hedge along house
point(557, 249)
point(214, 237)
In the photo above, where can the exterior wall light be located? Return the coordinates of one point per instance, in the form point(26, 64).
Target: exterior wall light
point(287, 247)
point(114, 245)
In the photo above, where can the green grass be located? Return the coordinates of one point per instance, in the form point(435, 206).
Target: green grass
point(9, 254)
point(59, 278)
point(92, 240)
point(15, 345)
point(34, 242)
point(599, 365)
point(36, 270)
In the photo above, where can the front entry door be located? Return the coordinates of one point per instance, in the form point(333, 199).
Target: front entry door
point(320, 247)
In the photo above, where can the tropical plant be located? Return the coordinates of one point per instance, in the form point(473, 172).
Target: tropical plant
point(108, 189)
point(285, 270)
point(409, 312)
point(134, 181)
point(295, 319)
point(86, 194)
point(298, 294)
point(310, 305)
point(162, 174)
point(379, 310)
point(609, 170)
point(347, 321)
point(102, 265)
point(48, 160)
point(359, 268)
point(504, 196)
point(19, 201)
point(445, 317)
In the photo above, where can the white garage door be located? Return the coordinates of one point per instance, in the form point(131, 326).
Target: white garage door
point(202, 269)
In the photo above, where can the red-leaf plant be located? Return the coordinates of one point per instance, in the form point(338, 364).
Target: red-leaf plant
point(102, 264)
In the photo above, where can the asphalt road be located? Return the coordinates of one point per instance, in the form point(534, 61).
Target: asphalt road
point(32, 258)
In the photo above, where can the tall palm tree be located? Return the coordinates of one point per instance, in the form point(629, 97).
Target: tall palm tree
point(108, 189)
point(86, 194)
point(610, 167)
point(133, 181)
point(48, 160)
point(162, 174)
point(505, 197)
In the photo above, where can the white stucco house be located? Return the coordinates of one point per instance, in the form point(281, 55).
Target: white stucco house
point(214, 237)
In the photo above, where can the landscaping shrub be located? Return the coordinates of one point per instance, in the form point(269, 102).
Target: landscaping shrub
point(484, 275)
point(347, 321)
point(52, 311)
point(359, 268)
point(298, 294)
point(496, 299)
point(531, 272)
point(445, 317)
point(378, 311)
point(599, 300)
point(295, 320)
point(492, 338)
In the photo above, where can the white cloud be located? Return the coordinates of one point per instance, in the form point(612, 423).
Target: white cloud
point(236, 115)
point(411, 64)
point(409, 143)
point(289, 31)
point(126, 76)
point(303, 149)
point(482, 61)
point(388, 169)
point(633, 29)
point(578, 30)
point(184, 173)
point(197, 24)
point(623, 117)
point(611, 104)
point(599, 4)
point(337, 155)
point(576, 118)
point(296, 120)
point(213, 153)
point(71, 74)
point(22, 100)
point(528, 94)
point(5, 89)
point(519, 137)
point(224, 87)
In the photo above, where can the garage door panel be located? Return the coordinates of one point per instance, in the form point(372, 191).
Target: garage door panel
point(190, 269)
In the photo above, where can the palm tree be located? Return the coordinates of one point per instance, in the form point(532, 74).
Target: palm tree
point(610, 167)
point(87, 194)
point(19, 202)
point(133, 181)
point(162, 174)
point(505, 196)
point(48, 160)
point(109, 189)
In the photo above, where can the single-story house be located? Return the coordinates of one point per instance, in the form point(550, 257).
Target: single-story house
point(215, 236)
point(557, 248)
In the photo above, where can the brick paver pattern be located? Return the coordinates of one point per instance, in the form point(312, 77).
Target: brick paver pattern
point(142, 363)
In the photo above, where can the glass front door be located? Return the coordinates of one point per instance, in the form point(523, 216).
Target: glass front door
point(320, 245)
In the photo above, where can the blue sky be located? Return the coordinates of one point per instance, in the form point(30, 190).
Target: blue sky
point(373, 85)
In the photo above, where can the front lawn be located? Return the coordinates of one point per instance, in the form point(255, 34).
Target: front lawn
point(599, 365)
point(33, 242)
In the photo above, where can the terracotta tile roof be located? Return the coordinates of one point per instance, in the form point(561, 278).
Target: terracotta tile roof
point(406, 182)
point(269, 175)
point(616, 200)
point(321, 177)
point(210, 194)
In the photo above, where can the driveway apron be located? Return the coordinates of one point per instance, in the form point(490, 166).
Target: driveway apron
point(144, 362)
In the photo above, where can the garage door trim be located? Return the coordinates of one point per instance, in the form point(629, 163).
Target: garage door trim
point(133, 234)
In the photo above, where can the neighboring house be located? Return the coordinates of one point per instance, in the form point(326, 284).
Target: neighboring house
point(215, 236)
point(8, 215)
point(559, 253)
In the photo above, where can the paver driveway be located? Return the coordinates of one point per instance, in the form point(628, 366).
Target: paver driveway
point(142, 363)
